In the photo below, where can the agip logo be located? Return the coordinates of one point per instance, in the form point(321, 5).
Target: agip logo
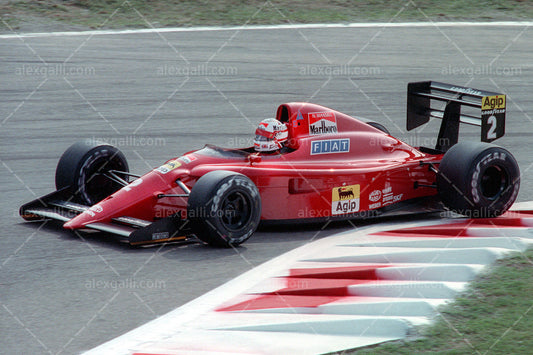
point(493, 102)
point(345, 199)
point(322, 123)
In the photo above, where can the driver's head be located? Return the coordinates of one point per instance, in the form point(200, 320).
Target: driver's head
point(269, 135)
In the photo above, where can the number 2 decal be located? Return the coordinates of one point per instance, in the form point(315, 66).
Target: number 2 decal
point(493, 124)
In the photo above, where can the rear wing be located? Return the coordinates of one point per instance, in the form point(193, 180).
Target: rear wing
point(423, 103)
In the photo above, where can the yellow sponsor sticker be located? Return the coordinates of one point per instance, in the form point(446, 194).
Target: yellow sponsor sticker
point(171, 165)
point(493, 102)
point(345, 199)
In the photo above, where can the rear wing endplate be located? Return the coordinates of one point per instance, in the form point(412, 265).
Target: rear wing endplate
point(423, 103)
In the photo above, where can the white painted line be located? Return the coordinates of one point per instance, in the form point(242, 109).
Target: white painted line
point(269, 27)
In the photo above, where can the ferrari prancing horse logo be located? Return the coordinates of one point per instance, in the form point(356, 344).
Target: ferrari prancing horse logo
point(169, 166)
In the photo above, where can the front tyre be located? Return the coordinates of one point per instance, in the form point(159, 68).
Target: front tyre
point(478, 180)
point(224, 208)
point(82, 167)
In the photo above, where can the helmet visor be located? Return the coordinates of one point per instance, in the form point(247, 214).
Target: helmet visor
point(261, 138)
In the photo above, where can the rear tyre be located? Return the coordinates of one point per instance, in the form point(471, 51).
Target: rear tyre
point(224, 208)
point(80, 170)
point(478, 180)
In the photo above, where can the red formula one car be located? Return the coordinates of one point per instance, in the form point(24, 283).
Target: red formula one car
point(333, 166)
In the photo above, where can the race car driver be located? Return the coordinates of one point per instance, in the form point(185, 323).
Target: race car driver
point(270, 135)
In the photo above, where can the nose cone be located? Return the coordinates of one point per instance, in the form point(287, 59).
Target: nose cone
point(135, 200)
point(93, 214)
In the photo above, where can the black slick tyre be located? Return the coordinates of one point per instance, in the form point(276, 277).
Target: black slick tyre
point(478, 180)
point(224, 208)
point(80, 170)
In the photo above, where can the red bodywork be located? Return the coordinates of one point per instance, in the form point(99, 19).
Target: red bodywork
point(335, 165)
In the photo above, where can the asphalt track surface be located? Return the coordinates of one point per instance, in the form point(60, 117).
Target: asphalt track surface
point(153, 96)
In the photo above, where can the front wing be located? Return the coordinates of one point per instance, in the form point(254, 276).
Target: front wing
point(58, 206)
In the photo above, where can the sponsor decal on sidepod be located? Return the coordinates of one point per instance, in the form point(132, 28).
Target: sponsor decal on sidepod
point(345, 199)
point(330, 146)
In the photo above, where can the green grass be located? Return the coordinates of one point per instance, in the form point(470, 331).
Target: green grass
point(494, 317)
point(160, 13)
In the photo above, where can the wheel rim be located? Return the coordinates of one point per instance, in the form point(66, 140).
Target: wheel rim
point(97, 186)
point(494, 182)
point(235, 211)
